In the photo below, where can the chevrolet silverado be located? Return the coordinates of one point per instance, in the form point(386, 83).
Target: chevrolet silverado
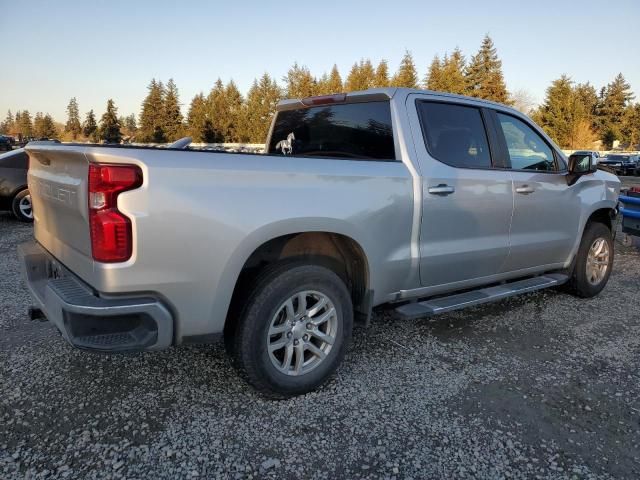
point(428, 201)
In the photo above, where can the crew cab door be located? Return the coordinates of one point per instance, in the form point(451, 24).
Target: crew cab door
point(467, 199)
point(546, 210)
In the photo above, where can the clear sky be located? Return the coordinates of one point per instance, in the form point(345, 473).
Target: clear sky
point(95, 50)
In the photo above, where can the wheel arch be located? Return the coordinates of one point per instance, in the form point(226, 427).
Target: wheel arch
point(339, 252)
point(604, 215)
point(17, 190)
point(603, 212)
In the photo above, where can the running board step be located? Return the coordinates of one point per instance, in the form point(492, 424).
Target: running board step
point(476, 297)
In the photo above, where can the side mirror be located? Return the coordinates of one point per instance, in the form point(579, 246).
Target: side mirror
point(581, 164)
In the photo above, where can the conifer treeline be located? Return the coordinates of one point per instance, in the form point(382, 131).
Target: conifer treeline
point(22, 124)
point(111, 128)
point(224, 115)
point(574, 115)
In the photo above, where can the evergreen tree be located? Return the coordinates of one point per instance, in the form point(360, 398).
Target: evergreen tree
point(566, 114)
point(631, 127)
point(90, 127)
point(555, 115)
point(37, 125)
point(367, 74)
point(322, 85)
point(381, 78)
point(587, 97)
point(7, 125)
point(611, 109)
point(299, 82)
point(330, 84)
point(433, 80)
point(353, 78)
point(452, 74)
point(234, 125)
point(152, 115)
point(262, 99)
point(217, 112)
point(48, 128)
point(25, 127)
point(484, 74)
point(334, 83)
point(361, 77)
point(17, 124)
point(199, 125)
point(73, 127)
point(406, 76)
point(109, 125)
point(130, 125)
point(172, 121)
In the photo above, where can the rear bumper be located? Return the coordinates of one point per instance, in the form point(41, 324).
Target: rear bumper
point(87, 320)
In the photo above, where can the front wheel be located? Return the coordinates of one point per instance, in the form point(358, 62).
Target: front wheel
point(594, 261)
point(294, 329)
point(21, 206)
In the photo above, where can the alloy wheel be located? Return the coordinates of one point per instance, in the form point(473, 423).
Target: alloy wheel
point(598, 261)
point(25, 206)
point(302, 332)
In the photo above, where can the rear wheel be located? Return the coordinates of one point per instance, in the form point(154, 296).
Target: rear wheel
point(294, 330)
point(21, 206)
point(594, 261)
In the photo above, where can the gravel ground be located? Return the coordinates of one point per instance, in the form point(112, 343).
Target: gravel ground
point(541, 386)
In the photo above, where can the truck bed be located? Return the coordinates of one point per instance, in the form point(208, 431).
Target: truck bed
point(198, 216)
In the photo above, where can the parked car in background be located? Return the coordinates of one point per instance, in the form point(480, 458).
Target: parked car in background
point(430, 201)
point(6, 143)
point(621, 163)
point(14, 194)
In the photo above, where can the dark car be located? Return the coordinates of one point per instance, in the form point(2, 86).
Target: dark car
point(6, 143)
point(622, 164)
point(14, 194)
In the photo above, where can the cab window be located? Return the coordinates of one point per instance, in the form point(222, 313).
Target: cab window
point(352, 131)
point(527, 149)
point(455, 134)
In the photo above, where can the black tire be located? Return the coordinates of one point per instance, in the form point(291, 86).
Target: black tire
point(272, 288)
point(18, 212)
point(579, 284)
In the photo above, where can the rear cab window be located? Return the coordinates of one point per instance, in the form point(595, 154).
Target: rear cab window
point(350, 131)
point(455, 134)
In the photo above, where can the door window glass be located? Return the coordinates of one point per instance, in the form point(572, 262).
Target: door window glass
point(527, 149)
point(455, 134)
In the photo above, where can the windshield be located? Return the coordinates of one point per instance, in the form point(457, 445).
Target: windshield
point(618, 158)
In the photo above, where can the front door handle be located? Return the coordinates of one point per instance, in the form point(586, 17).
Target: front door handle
point(441, 189)
point(525, 190)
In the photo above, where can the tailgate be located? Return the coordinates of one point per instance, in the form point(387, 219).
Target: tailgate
point(58, 177)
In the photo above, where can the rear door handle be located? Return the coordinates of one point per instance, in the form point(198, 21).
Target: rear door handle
point(441, 189)
point(525, 190)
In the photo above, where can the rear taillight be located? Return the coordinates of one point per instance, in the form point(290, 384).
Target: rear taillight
point(111, 236)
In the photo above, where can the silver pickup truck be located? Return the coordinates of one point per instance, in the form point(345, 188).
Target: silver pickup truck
point(431, 202)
